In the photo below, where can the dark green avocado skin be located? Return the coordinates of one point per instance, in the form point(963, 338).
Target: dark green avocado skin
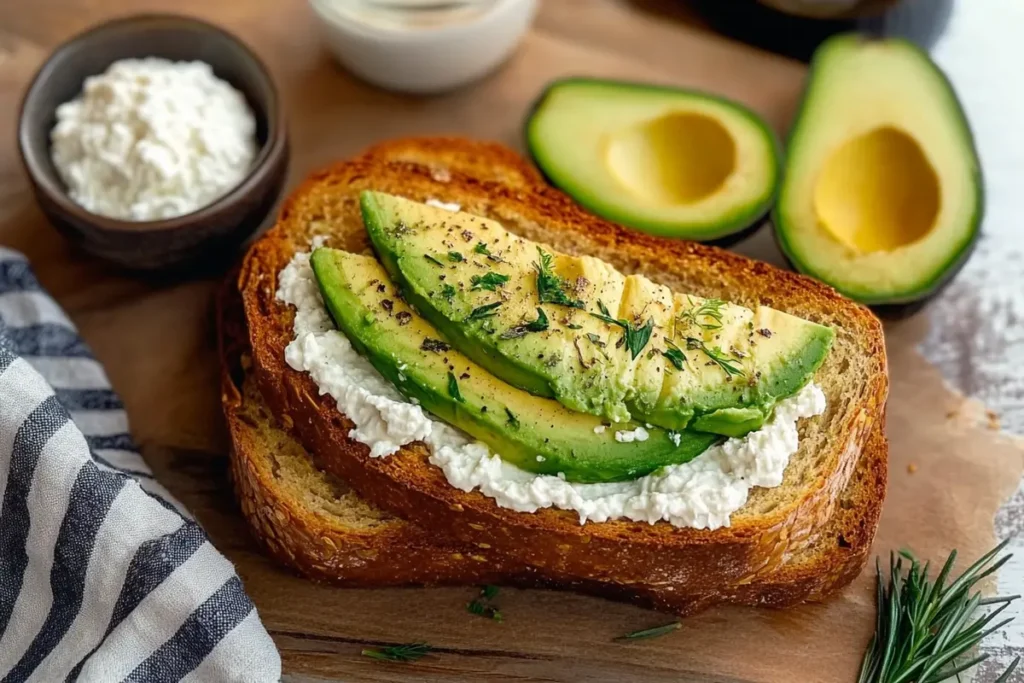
point(911, 304)
point(733, 233)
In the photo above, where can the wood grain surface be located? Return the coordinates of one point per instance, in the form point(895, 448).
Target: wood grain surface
point(157, 341)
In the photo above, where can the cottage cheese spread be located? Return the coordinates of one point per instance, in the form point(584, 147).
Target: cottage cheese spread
point(151, 139)
point(701, 494)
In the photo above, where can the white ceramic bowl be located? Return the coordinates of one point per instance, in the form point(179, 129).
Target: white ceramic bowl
point(425, 59)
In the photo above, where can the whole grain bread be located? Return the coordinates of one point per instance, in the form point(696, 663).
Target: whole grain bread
point(313, 522)
point(774, 527)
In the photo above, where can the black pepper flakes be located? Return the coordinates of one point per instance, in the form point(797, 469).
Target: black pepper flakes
point(403, 318)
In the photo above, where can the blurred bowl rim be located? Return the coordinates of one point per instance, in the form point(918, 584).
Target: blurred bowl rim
point(56, 192)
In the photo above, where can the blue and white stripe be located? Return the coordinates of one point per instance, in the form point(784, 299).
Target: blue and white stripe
point(103, 576)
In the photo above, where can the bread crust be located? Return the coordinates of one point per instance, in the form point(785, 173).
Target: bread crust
point(623, 553)
point(401, 553)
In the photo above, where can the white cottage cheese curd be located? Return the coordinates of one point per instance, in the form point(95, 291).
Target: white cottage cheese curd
point(702, 493)
point(150, 139)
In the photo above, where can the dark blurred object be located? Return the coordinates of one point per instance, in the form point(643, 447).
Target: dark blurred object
point(797, 35)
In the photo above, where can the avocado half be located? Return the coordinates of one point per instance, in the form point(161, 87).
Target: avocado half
point(667, 161)
point(882, 195)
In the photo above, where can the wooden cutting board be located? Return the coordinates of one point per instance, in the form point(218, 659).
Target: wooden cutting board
point(157, 341)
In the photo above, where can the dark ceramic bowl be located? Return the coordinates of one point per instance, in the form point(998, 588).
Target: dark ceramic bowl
point(199, 236)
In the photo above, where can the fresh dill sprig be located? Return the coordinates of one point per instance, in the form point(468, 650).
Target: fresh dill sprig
point(551, 287)
point(652, 632)
point(408, 652)
point(924, 625)
point(485, 311)
point(489, 281)
point(636, 338)
point(710, 308)
point(729, 365)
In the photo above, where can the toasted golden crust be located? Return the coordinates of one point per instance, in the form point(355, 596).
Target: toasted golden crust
point(364, 547)
point(769, 531)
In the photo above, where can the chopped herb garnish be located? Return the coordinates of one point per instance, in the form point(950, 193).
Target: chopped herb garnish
point(481, 248)
point(490, 281)
point(675, 355)
point(706, 316)
point(409, 652)
point(635, 338)
point(432, 260)
point(574, 326)
point(729, 365)
point(512, 419)
point(550, 287)
point(481, 610)
point(652, 632)
point(435, 345)
point(448, 292)
point(595, 339)
point(538, 325)
point(455, 257)
point(485, 311)
point(489, 592)
point(453, 388)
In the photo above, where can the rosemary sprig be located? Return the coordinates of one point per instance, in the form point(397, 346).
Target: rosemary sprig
point(551, 287)
point(408, 652)
point(711, 308)
point(636, 338)
point(924, 626)
point(652, 632)
point(729, 365)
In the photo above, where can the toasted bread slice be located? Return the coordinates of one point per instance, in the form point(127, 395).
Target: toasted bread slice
point(775, 525)
point(314, 523)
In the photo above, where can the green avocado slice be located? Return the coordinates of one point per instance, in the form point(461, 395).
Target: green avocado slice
point(574, 328)
point(535, 434)
point(668, 161)
point(883, 192)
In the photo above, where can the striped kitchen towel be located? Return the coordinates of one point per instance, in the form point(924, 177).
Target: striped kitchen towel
point(102, 576)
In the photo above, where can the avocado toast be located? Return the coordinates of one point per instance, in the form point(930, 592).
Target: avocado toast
point(774, 525)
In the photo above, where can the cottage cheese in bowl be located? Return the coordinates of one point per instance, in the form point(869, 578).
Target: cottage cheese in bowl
point(151, 139)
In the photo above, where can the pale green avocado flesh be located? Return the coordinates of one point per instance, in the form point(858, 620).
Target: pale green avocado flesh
point(882, 196)
point(534, 433)
point(574, 328)
point(668, 161)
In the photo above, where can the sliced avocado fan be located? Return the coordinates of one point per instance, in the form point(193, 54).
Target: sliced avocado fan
point(668, 161)
point(882, 196)
point(575, 329)
point(535, 434)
